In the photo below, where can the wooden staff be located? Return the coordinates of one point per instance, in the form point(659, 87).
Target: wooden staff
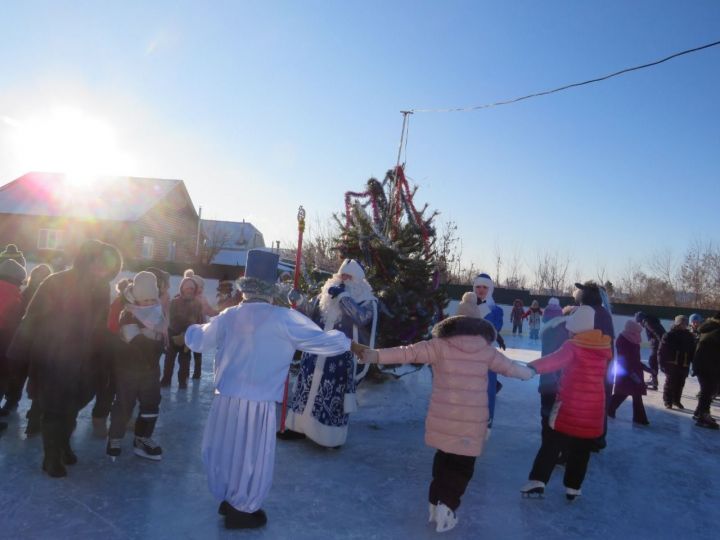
point(296, 282)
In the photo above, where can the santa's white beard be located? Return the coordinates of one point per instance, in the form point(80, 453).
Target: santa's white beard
point(330, 310)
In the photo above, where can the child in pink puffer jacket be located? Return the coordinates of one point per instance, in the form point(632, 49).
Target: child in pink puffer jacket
point(460, 355)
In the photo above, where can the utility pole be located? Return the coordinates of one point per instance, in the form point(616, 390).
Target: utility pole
point(197, 240)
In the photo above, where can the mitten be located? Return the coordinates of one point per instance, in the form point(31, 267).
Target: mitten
point(295, 297)
point(336, 289)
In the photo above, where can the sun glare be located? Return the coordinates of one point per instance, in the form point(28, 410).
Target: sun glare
point(67, 140)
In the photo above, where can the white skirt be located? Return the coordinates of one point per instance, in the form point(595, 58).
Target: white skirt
point(238, 451)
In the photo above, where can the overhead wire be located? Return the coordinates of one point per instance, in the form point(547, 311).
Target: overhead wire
point(567, 86)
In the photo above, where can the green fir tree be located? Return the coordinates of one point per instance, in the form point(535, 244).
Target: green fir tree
point(395, 242)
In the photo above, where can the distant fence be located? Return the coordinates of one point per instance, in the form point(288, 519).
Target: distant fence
point(508, 296)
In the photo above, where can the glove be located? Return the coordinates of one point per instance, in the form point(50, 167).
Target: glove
point(295, 297)
point(336, 289)
point(501, 342)
point(179, 340)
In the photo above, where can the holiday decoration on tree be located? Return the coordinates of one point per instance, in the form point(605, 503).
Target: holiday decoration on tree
point(395, 242)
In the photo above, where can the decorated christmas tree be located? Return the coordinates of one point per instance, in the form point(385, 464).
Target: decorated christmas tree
point(395, 242)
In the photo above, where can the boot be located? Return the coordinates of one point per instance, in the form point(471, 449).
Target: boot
point(67, 455)
point(445, 518)
point(52, 459)
point(235, 519)
point(707, 421)
point(8, 408)
point(290, 435)
point(99, 428)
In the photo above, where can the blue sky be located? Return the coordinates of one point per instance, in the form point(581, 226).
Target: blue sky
point(262, 106)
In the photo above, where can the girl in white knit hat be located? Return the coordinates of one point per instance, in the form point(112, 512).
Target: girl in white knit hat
point(137, 377)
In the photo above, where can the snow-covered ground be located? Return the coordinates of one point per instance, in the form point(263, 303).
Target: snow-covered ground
point(660, 481)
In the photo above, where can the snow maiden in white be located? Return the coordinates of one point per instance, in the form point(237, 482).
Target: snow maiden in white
point(324, 394)
point(254, 344)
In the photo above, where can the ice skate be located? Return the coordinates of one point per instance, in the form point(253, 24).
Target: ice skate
point(445, 518)
point(707, 421)
point(679, 405)
point(432, 511)
point(533, 487)
point(113, 449)
point(146, 448)
point(571, 494)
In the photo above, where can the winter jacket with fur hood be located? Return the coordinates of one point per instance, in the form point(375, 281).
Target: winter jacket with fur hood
point(460, 355)
point(579, 410)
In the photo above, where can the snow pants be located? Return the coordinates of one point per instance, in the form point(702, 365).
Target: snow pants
point(674, 383)
point(137, 379)
point(576, 452)
point(709, 387)
point(183, 354)
point(112, 351)
point(197, 369)
point(639, 414)
point(451, 475)
point(517, 327)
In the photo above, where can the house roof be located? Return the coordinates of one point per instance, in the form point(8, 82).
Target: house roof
point(232, 235)
point(117, 198)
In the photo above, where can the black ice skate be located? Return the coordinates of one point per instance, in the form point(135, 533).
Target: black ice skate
point(146, 448)
point(113, 449)
point(534, 488)
point(707, 421)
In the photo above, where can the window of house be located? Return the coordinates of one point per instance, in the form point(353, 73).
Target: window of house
point(172, 249)
point(147, 247)
point(50, 239)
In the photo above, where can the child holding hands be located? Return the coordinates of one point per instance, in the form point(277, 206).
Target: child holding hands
point(460, 354)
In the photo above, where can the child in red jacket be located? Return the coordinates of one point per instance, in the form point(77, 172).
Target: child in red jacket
point(578, 416)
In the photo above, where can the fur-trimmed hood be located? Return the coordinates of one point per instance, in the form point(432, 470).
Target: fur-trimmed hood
point(464, 326)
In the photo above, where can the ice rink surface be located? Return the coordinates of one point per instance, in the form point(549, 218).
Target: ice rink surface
point(660, 481)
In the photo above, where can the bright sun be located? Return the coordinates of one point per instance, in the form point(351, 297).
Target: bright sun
point(69, 141)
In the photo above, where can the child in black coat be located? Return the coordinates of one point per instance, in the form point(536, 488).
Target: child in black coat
point(137, 377)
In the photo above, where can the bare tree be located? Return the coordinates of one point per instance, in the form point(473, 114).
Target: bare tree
point(664, 268)
point(216, 238)
point(448, 246)
point(601, 273)
point(515, 278)
point(498, 261)
point(551, 271)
